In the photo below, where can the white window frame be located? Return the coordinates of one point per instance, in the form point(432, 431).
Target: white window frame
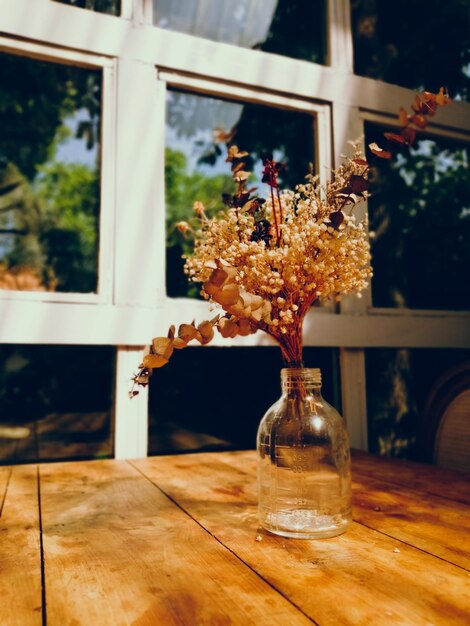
point(137, 308)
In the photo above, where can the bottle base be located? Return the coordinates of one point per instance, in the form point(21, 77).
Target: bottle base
point(305, 524)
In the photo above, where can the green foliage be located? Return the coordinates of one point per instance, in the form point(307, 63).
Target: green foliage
point(53, 225)
point(35, 99)
point(69, 194)
point(418, 212)
point(182, 189)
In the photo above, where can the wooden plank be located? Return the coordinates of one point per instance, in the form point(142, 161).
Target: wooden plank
point(118, 551)
point(413, 515)
point(416, 476)
point(20, 553)
point(5, 474)
point(434, 524)
point(385, 581)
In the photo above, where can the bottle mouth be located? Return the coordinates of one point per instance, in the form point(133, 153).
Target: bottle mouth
point(292, 376)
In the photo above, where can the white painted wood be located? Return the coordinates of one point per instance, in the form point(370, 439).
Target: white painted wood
point(339, 37)
point(60, 323)
point(348, 126)
point(139, 184)
point(127, 8)
point(130, 426)
point(354, 397)
point(116, 37)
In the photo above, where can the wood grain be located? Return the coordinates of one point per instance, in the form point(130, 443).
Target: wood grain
point(361, 577)
point(20, 553)
point(118, 551)
point(431, 523)
point(417, 476)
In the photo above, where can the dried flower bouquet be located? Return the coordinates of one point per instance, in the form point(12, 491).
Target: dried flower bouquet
point(265, 262)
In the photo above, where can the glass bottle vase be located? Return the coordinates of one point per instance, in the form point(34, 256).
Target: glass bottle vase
point(304, 469)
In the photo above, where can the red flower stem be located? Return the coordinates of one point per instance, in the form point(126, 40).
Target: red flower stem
point(275, 215)
point(281, 216)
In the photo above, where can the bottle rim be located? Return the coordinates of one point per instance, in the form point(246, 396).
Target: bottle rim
point(304, 375)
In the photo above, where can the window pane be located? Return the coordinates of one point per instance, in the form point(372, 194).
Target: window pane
point(421, 44)
point(49, 176)
point(292, 28)
point(195, 163)
point(112, 7)
point(420, 214)
point(403, 386)
point(214, 398)
point(56, 402)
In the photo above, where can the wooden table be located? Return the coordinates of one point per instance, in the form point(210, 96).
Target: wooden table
point(174, 540)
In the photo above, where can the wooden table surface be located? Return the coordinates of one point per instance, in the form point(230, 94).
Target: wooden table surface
point(174, 540)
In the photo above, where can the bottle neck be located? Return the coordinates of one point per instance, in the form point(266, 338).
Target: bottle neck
point(301, 381)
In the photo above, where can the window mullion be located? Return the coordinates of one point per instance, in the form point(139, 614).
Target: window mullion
point(130, 414)
point(354, 396)
point(339, 35)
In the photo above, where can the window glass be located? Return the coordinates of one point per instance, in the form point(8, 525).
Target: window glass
point(214, 398)
point(403, 386)
point(49, 175)
point(420, 219)
point(56, 402)
point(421, 44)
point(195, 159)
point(293, 28)
point(112, 7)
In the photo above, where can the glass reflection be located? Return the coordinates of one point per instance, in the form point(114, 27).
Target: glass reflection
point(112, 7)
point(196, 132)
point(49, 176)
point(49, 409)
point(420, 44)
point(292, 28)
point(420, 218)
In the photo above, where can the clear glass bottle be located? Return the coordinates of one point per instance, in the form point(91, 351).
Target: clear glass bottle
point(304, 469)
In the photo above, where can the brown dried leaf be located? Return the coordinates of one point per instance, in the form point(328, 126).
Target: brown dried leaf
point(218, 277)
point(409, 135)
point(403, 117)
point(419, 120)
point(337, 218)
point(171, 332)
point(238, 309)
point(442, 98)
point(394, 137)
point(179, 344)
point(163, 346)
point(380, 152)
point(234, 153)
point(244, 328)
point(206, 329)
point(187, 332)
point(237, 167)
point(210, 288)
point(227, 296)
point(241, 176)
point(252, 301)
point(227, 328)
point(154, 360)
point(358, 184)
